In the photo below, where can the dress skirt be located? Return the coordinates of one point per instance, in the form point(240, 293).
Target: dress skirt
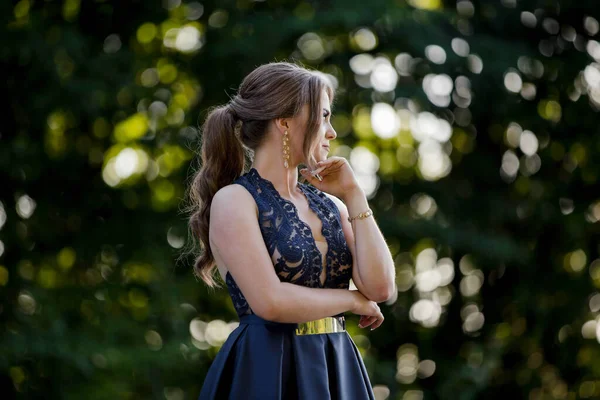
point(266, 360)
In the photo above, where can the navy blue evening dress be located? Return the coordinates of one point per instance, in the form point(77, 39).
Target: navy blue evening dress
point(266, 360)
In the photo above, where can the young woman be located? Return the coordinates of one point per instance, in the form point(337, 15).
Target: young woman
point(286, 249)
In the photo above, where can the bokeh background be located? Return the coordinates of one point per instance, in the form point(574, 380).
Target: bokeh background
point(473, 126)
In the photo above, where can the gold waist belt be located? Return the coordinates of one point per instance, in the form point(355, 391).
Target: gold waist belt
point(323, 325)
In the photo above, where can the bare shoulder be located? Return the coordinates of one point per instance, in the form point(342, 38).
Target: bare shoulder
point(231, 205)
point(233, 198)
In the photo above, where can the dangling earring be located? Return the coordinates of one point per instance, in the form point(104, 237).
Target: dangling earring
point(286, 150)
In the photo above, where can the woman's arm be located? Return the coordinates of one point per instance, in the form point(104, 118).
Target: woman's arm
point(236, 237)
point(373, 271)
point(298, 303)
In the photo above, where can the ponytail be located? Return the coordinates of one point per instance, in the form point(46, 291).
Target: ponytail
point(223, 160)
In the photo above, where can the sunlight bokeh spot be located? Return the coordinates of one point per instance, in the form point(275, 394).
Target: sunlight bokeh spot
point(528, 143)
point(510, 164)
point(550, 25)
point(137, 298)
point(475, 63)
point(460, 46)
point(513, 82)
point(70, 9)
point(438, 89)
point(404, 277)
point(26, 303)
point(4, 275)
point(2, 215)
point(384, 120)
point(193, 10)
point(186, 39)
point(25, 206)
point(125, 163)
point(426, 313)
point(65, 258)
point(131, 128)
point(445, 268)
point(592, 214)
point(216, 332)
point(407, 364)
point(426, 368)
point(470, 284)
point(312, 47)
point(112, 44)
point(21, 9)
point(362, 64)
point(218, 19)
point(528, 91)
point(575, 261)
point(436, 54)
point(381, 392)
point(465, 8)
point(154, 340)
point(383, 77)
point(189, 39)
point(433, 162)
point(424, 205)
point(473, 322)
point(591, 25)
point(137, 272)
point(361, 123)
point(426, 4)
point(550, 110)
point(588, 329)
point(146, 32)
point(365, 39)
point(528, 19)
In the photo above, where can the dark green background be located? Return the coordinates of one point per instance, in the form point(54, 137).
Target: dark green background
point(97, 296)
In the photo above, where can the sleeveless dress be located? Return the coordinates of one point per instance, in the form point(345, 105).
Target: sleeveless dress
point(265, 359)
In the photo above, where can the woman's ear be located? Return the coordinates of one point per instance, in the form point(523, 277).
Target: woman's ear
point(282, 124)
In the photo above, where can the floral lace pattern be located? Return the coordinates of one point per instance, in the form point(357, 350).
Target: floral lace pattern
point(290, 242)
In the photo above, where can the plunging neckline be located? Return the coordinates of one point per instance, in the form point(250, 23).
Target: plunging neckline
point(311, 207)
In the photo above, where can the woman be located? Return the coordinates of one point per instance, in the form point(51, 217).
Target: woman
point(286, 249)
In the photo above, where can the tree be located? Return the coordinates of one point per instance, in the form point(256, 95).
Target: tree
point(471, 125)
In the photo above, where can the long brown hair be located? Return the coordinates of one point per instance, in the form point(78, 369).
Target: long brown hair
point(233, 131)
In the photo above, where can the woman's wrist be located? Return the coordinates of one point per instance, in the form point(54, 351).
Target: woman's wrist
point(356, 191)
point(356, 202)
point(354, 295)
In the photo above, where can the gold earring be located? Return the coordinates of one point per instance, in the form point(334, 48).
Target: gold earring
point(286, 150)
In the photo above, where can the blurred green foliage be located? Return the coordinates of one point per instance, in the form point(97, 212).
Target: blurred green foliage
point(472, 125)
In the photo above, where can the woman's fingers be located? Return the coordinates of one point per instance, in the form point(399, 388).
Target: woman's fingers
point(378, 323)
point(310, 178)
point(319, 170)
point(366, 321)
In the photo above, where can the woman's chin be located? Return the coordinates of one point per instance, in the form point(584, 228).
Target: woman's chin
point(323, 154)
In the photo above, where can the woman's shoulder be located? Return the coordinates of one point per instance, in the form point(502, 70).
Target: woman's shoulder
point(234, 195)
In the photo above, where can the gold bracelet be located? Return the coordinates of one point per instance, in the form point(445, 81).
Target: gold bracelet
point(362, 215)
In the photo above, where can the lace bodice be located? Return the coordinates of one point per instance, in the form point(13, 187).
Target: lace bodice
point(295, 253)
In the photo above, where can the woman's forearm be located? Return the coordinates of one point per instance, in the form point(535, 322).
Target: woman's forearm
point(295, 303)
point(374, 260)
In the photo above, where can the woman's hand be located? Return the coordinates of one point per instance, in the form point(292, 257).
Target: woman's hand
point(368, 310)
point(338, 177)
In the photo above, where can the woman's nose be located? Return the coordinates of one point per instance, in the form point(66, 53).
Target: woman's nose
point(331, 134)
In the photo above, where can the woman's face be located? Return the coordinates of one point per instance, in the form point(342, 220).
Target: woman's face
point(325, 134)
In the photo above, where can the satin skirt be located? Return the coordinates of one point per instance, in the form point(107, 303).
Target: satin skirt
point(266, 360)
